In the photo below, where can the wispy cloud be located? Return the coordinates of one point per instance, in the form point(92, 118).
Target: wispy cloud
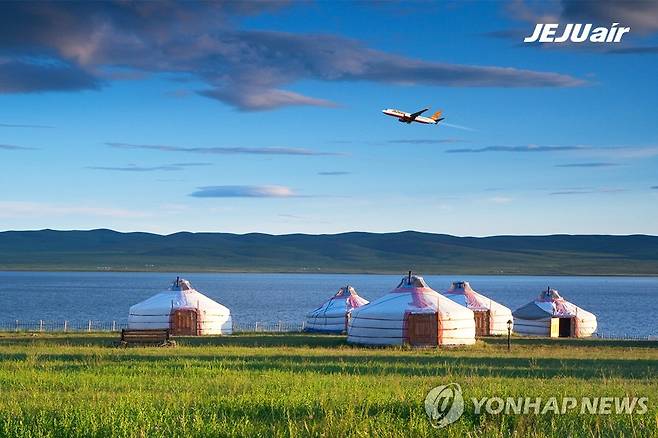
point(9, 209)
point(136, 168)
point(76, 44)
point(499, 200)
point(303, 219)
point(639, 15)
point(587, 191)
point(571, 192)
point(263, 99)
point(428, 141)
point(12, 125)
point(193, 164)
point(225, 150)
point(654, 187)
point(528, 148)
point(266, 191)
point(335, 173)
point(626, 152)
point(596, 164)
point(608, 152)
point(290, 216)
point(12, 147)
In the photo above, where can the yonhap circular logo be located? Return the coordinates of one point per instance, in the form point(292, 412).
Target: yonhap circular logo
point(444, 405)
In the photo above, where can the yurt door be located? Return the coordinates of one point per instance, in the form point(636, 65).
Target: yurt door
point(565, 327)
point(423, 329)
point(184, 322)
point(482, 323)
point(555, 327)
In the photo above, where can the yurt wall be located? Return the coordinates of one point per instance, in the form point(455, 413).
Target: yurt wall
point(333, 314)
point(412, 313)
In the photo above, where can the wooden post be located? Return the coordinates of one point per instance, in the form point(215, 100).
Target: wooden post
point(279, 325)
point(41, 325)
point(114, 326)
point(16, 325)
point(439, 327)
point(256, 326)
point(66, 326)
point(89, 327)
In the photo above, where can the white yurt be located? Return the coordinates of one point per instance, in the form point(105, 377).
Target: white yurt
point(412, 313)
point(183, 310)
point(551, 315)
point(331, 317)
point(490, 317)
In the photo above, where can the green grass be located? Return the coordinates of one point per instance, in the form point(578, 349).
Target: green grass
point(308, 385)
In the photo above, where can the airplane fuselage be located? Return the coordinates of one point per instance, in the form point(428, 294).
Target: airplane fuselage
point(406, 117)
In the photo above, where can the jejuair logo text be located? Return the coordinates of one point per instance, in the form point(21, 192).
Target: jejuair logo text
point(576, 33)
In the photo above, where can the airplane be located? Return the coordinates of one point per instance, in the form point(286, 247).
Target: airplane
point(414, 117)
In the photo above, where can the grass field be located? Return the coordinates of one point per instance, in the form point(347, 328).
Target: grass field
point(308, 385)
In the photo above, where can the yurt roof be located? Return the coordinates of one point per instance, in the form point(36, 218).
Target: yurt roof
point(181, 295)
point(462, 293)
point(549, 303)
point(345, 299)
point(345, 292)
point(412, 281)
point(420, 299)
point(423, 296)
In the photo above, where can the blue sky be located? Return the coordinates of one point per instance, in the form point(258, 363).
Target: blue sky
point(264, 117)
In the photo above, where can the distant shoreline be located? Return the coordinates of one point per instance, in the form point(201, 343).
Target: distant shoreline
point(200, 271)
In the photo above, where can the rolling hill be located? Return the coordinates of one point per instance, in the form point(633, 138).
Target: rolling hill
point(347, 252)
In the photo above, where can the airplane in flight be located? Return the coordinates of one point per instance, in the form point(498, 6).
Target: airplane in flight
point(434, 119)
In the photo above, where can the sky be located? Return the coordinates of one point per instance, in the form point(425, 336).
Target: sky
point(266, 117)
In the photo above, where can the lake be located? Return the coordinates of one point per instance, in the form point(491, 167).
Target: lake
point(624, 306)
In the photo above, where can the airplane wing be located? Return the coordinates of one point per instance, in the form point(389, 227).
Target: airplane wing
point(416, 114)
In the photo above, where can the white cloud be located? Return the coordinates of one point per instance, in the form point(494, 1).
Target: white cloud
point(267, 191)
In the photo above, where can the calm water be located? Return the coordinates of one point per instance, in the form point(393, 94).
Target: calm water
point(624, 306)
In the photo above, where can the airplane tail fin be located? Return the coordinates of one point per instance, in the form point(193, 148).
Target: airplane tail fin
point(437, 116)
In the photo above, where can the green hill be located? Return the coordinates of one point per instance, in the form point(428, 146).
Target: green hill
point(347, 252)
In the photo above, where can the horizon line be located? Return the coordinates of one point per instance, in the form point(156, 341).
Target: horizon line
point(322, 234)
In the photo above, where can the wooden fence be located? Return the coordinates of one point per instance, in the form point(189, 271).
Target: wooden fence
point(253, 327)
point(116, 326)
